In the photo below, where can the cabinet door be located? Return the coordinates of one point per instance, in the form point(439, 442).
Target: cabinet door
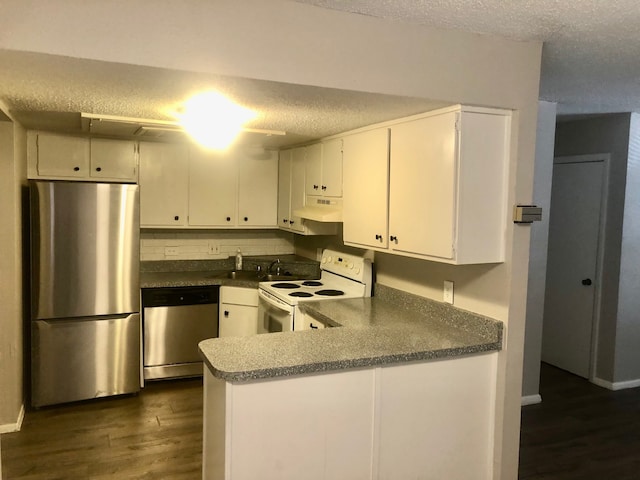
point(164, 182)
point(114, 159)
point(258, 191)
point(298, 171)
point(61, 156)
point(332, 168)
point(213, 188)
point(238, 320)
point(313, 169)
point(366, 183)
point(284, 188)
point(423, 165)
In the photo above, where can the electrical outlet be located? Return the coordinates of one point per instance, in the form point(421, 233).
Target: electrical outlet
point(171, 250)
point(448, 292)
point(214, 248)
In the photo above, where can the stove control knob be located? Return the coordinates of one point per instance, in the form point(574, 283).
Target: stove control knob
point(329, 259)
point(351, 266)
point(358, 271)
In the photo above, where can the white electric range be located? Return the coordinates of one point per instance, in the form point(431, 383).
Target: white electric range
point(343, 276)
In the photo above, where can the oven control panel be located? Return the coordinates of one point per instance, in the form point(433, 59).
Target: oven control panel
point(350, 266)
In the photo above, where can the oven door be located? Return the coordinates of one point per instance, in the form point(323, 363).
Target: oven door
point(274, 315)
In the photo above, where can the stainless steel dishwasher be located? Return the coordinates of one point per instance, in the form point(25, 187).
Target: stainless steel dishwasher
point(174, 321)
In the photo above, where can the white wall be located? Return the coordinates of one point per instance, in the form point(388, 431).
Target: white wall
point(538, 251)
point(296, 43)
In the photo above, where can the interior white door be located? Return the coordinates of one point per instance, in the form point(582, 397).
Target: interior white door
point(574, 227)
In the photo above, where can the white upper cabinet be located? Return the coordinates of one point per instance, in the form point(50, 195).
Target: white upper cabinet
point(164, 184)
point(423, 186)
point(366, 186)
point(446, 186)
point(113, 159)
point(258, 190)
point(207, 189)
point(324, 169)
point(213, 188)
point(53, 156)
point(291, 189)
point(291, 195)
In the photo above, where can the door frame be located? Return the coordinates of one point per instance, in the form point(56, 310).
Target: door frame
point(597, 303)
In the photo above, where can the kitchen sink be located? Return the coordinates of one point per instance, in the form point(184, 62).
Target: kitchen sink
point(255, 276)
point(244, 275)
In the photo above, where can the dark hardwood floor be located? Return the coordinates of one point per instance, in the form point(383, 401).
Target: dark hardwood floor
point(580, 431)
point(156, 434)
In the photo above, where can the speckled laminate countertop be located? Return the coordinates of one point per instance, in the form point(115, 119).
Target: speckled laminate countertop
point(187, 273)
point(391, 327)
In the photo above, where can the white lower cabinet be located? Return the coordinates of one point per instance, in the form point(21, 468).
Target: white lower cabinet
point(431, 419)
point(238, 314)
point(441, 192)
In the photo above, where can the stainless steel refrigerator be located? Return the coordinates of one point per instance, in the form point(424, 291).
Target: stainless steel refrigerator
point(85, 328)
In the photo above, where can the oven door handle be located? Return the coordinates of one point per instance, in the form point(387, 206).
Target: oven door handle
point(274, 302)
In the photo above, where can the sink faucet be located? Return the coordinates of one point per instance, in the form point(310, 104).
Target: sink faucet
point(276, 261)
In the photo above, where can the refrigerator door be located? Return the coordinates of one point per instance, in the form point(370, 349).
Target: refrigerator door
point(83, 358)
point(85, 249)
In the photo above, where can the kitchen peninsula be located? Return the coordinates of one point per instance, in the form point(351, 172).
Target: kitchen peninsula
point(404, 387)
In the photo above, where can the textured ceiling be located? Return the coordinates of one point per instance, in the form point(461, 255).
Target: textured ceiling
point(591, 53)
point(49, 92)
point(591, 64)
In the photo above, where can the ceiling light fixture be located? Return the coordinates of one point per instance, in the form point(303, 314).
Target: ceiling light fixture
point(213, 120)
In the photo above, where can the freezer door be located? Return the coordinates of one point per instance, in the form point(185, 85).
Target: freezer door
point(83, 358)
point(85, 249)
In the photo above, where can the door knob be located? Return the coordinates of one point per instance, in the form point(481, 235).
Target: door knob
point(586, 281)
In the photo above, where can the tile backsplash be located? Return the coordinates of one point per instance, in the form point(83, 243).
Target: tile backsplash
point(211, 244)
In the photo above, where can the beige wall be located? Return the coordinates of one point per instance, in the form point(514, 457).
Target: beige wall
point(538, 251)
point(295, 43)
point(12, 173)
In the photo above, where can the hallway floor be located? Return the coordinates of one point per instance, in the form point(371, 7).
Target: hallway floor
point(580, 431)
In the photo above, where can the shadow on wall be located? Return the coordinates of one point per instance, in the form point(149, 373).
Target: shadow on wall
point(477, 288)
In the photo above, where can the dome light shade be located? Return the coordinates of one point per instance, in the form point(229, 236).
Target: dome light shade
point(213, 120)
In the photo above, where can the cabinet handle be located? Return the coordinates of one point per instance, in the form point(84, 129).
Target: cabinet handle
point(393, 238)
point(311, 325)
point(284, 220)
point(228, 219)
point(76, 169)
point(176, 218)
point(246, 219)
point(315, 187)
point(379, 237)
point(98, 169)
point(291, 222)
point(226, 313)
point(324, 187)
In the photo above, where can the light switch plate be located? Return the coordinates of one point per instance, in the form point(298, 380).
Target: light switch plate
point(448, 292)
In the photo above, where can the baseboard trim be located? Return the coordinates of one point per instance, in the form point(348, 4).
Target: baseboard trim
point(616, 385)
point(14, 427)
point(530, 400)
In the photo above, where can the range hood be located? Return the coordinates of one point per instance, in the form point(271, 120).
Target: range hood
point(321, 210)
